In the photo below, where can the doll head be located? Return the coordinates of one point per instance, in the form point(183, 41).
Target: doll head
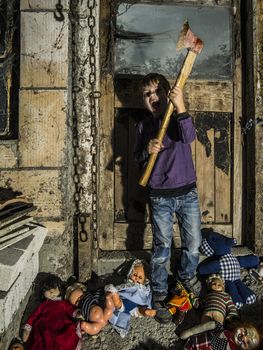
point(137, 272)
point(51, 287)
point(215, 283)
point(246, 337)
point(75, 292)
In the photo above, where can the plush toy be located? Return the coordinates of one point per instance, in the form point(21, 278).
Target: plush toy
point(180, 303)
point(218, 248)
point(218, 306)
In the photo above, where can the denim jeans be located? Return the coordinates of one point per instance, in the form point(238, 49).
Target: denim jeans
point(186, 208)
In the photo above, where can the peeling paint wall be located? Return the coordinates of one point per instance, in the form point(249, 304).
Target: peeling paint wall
point(39, 163)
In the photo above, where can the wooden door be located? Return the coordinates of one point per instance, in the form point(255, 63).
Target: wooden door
point(212, 95)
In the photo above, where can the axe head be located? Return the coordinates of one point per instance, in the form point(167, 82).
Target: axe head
point(188, 40)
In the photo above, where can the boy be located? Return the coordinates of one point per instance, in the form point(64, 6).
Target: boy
point(172, 185)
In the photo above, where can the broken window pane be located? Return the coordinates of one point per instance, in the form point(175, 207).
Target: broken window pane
point(146, 37)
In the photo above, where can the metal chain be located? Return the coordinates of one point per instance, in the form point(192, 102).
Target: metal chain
point(250, 124)
point(93, 96)
point(58, 14)
point(80, 218)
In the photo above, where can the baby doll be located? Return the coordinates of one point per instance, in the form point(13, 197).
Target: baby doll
point(237, 336)
point(131, 298)
point(52, 326)
point(95, 308)
point(218, 307)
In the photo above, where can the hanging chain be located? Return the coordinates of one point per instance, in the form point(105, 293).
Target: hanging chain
point(250, 124)
point(93, 96)
point(80, 218)
point(58, 14)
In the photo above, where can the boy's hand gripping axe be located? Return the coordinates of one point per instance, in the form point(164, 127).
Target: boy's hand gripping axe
point(187, 39)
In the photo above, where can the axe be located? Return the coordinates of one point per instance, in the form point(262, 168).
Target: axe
point(187, 39)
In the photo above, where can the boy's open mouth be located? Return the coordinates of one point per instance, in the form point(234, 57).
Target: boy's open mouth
point(156, 105)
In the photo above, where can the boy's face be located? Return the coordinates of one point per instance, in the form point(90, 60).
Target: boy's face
point(138, 275)
point(155, 99)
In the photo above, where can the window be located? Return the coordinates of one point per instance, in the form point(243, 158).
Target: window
point(146, 37)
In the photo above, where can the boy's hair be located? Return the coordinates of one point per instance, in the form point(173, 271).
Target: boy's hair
point(155, 78)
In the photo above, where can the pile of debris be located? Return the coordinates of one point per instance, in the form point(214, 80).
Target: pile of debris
point(15, 224)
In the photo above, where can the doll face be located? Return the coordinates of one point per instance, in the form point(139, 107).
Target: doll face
point(155, 99)
point(216, 285)
point(246, 338)
point(75, 296)
point(138, 275)
point(52, 293)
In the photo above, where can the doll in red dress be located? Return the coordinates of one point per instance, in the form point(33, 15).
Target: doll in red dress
point(52, 325)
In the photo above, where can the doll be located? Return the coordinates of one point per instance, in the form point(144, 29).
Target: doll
point(181, 303)
point(237, 336)
point(95, 308)
point(218, 307)
point(51, 326)
point(131, 298)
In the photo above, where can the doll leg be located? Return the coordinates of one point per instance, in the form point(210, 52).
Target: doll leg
point(91, 328)
point(97, 321)
point(116, 300)
point(109, 307)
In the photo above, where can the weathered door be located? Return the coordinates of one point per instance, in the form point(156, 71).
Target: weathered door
point(139, 37)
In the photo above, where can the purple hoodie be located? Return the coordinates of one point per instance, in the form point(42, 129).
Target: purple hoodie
point(174, 166)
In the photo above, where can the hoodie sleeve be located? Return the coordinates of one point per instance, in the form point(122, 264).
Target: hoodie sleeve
point(140, 148)
point(186, 127)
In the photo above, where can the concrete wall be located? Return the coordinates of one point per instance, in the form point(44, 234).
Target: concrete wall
point(39, 163)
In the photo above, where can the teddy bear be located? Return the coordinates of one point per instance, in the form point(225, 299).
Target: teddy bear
point(221, 261)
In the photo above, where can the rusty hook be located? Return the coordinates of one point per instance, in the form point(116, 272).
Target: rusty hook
point(58, 14)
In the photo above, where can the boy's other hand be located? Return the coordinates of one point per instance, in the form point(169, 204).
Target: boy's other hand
point(154, 146)
point(177, 99)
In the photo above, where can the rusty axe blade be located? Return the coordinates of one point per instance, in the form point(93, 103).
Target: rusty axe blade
point(187, 39)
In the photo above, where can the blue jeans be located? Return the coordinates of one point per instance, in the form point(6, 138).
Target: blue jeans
point(186, 208)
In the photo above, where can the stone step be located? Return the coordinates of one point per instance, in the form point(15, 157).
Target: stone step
point(110, 261)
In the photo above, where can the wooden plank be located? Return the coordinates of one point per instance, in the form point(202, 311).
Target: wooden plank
point(106, 165)
point(16, 224)
point(138, 208)
point(223, 172)
point(7, 219)
point(142, 235)
point(215, 96)
point(14, 233)
point(121, 143)
point(205, 176)
point(21, 234)
point(237, 159)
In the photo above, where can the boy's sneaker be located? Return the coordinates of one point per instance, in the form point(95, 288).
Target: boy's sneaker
point(163, 315)
point(192, 285)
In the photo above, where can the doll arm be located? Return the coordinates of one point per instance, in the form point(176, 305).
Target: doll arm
point(144, 311)
point(231, 309)
point(26, 331)
point(208, 326)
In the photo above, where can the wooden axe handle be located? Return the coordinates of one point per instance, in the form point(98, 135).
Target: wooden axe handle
point(180, 81)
